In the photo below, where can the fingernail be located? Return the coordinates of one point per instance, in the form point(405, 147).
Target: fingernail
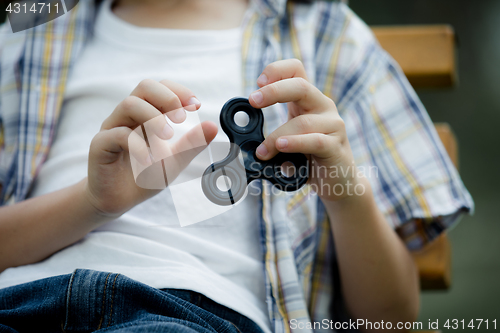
point(194, 101)
point(178, 115)
point(167, 132)
point(262, 150)
point(282, 143)
point(257, 97)
point(262, 80)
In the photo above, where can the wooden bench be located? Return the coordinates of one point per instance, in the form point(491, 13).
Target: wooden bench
point(425, 53)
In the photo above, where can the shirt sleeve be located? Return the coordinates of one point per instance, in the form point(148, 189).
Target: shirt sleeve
point(393, 139)
point(3, 31)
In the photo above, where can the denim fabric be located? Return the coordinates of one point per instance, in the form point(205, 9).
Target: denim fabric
point(92, 301)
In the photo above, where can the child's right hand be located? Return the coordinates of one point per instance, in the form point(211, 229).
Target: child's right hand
point(110, 186)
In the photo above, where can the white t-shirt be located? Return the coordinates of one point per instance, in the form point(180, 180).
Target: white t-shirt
point(221, 257)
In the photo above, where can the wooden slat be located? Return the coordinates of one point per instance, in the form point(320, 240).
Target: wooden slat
point(434, 264)
point(425, 53)
point(434, 261)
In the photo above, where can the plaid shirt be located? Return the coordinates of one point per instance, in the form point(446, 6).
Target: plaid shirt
point(416, 186)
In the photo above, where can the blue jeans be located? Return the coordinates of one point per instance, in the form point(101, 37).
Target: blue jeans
point(91, 301)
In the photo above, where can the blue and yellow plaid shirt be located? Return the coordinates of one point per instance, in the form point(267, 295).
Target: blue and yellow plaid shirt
point(417, 187)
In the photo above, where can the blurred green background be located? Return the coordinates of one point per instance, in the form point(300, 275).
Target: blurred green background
point(472, 108)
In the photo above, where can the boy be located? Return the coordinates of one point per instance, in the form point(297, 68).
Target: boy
point(89, 213)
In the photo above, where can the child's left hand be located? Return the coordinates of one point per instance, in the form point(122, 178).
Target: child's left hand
point(314, 128)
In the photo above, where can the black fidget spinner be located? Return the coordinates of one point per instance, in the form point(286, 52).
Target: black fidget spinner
point(246, 139)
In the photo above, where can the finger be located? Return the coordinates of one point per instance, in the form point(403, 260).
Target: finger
point(138, 147)
point(198, 136)
point(303, 124)
point(296, 90)
point(162, 98)
point(160, 148)
point(280, 70)
point(134, 111)
point(318, 144)
point(107, 145)
point(188, 147)
point(186, 96)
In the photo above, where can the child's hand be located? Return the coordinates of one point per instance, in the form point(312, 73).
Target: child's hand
point(314, 128)
point(111, 187)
